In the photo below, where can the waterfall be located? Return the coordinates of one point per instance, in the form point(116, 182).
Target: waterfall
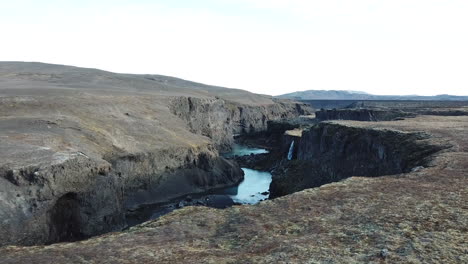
point(291, 149)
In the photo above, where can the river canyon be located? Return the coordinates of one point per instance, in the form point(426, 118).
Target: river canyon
point(99, 167)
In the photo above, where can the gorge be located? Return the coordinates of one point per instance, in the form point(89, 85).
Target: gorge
point(100, 143)
point(99, 167)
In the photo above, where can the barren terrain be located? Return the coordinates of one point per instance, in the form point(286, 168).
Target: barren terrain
point(417, 217)
point(79, 147)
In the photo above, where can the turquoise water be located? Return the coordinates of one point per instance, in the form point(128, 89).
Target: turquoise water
point(255, 182)
point(241, 150)
point(250, 190)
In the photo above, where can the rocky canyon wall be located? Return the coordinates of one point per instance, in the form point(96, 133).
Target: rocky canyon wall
point(108, 165)
point(77, 196)
point(221, 119)
point(78, 147)
point(330, 152)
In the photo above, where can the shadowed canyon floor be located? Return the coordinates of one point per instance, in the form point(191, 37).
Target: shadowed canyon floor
point(417, 217)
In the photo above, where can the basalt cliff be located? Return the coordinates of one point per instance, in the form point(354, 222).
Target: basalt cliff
point(79, 147)
point(329, 152)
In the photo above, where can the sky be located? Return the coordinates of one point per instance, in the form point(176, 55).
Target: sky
point(264, 46)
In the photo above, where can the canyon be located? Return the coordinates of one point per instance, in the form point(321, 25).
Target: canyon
point(414, 216)
point(367, 182)
point(79, 147)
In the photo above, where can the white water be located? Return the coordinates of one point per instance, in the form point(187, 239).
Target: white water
point(291, 149)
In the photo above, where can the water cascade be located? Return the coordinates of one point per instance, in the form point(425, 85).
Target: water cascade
point(291, 149)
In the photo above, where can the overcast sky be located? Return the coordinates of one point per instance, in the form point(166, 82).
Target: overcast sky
point(264, 46)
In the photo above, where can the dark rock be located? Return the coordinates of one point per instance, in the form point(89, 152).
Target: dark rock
point(330, 152)
point(219, 201)
point(199, 202)
point(231, 118)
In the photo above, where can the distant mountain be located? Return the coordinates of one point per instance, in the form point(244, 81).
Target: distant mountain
point(357, 95)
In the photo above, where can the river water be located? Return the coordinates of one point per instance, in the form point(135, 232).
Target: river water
point(253, 189)
point(240, 150)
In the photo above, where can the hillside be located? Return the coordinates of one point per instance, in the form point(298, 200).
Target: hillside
point(80, 146)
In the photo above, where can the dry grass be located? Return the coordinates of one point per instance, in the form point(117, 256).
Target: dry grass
point(421, 217)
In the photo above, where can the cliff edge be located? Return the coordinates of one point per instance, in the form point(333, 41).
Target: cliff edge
point(418, 216)
point(78, 147)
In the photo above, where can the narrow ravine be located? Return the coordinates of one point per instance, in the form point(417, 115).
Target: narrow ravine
point(253, 189)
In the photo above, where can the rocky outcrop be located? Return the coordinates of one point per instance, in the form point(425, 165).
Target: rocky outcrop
point(221, 119)
point(330, 152)
point(361, 115)
point(52, 202)
point(77, 197)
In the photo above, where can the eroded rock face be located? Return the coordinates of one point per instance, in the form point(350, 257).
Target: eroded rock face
point(81, 197)
point(35, 200)
point(221, 119)
point(157, 177)
point(330, 152)
point(84, 145)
